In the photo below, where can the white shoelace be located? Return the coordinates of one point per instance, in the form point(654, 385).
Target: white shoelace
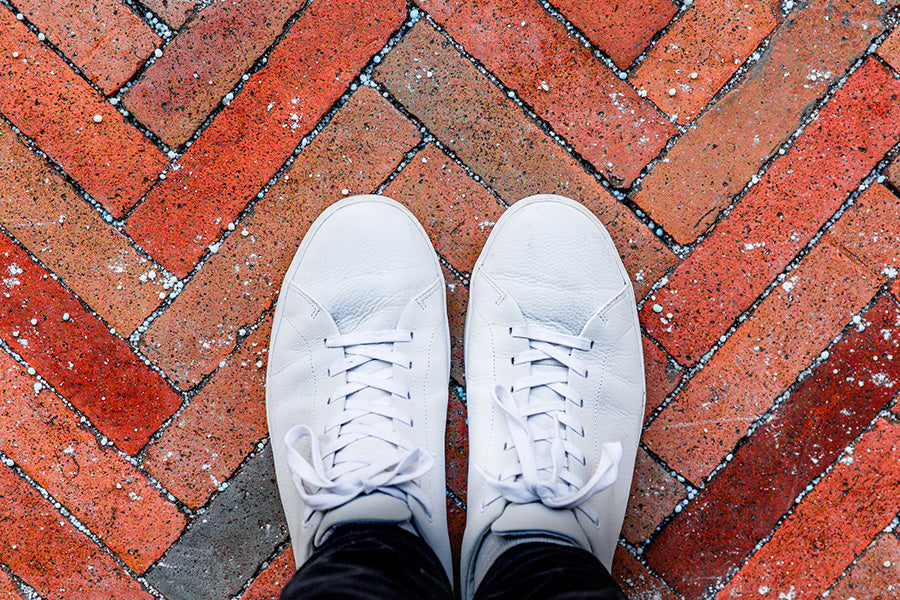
point(368, 414)
point(541, 429)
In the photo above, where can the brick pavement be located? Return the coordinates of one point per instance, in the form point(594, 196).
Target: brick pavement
point(161, 159)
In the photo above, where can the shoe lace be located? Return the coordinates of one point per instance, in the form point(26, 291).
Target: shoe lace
point(368, 413)
point(542, 430)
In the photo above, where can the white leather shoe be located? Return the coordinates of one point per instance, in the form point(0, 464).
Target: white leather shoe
point(554, 380)
point(357, 380)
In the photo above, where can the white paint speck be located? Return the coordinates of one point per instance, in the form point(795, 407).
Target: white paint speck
point(98, 118)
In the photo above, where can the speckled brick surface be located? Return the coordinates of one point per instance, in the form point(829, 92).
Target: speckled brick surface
point(161, 160)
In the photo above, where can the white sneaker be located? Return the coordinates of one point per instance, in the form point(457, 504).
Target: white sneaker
point(357, 381)
point(554, 380)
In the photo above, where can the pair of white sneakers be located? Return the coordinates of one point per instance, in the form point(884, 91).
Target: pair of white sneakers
point(358, 372)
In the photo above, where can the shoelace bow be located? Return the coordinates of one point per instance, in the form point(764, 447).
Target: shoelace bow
point(369, 390)
point(545, 476)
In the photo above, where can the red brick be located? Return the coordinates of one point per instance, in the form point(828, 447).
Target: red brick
point(173, 12)
point(457, 212)
point(56, 108)
point(712, 536)
point(203, 63)
point(249, 140)
point(39, 545)
point(654, 494)
point(457, 445)
point(662, 375)
point(584, 101)
point(105, 492)
point(457, 303)
point(96, 371)
point(729, 269)
point(831, 526)
point(623, 29)
point(456, 523)
point(55, 223)
point(357, 151)
point(761, 359)
point(877, 571)
point(490, 134)
point(8, 589)
point(269, 583)
point(711, 39)
point(210, 438)
point(890, 50)
point(714, 160)
point(895, 288)
point(103, 38)
point(868, 230)
point(893, 174)
point(636, 580)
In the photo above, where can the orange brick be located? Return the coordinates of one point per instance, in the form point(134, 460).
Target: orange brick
point(204, 62)
point(711, 39)
point(269, 583)
point(57, 109)
point(96, 371)
point(877, 571)
point(106, 493)
point(769, 226)
point(636, 580)
point(661, 373)
point(457, 303)
point(890, 50)
point(356, 151)
point(654, 494)
point(585, 102)
point(56, 224)
point(249, 140)
point(173, 12)
point(765, 355)
point(43, 548)
point(457, 212)
point(868, 231)
point(488, 132)
point(729, 143)
point(622, 29)
point(210, 438)
point(831, 526)
point(103, 38)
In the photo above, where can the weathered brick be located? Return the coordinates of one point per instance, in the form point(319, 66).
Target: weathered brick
point(57, 109)
point(636, 580)
point(103, 38)
point(356, 151)
point(764, 356)
point(622, 29)
point(106, 493)
point(654, 494)
point(710, 40)
point(43, 548)
point(457, 444)
point(890, 50)
point(585, 102)
point(767, 228)
point(831, 526)
point(868, 231)
point(8, 590)
point(225, 546)
point(713, 535)
point(457, 303)
point(877, 571)
point(661, 373)
point(96, 371)
point(893, 174)
point(57, 225)
point(456, 212)
point(489, 133)
point(210, 438)
point(269, 583)
point(203, 63)
point(173, 12)
point(249, 140)
point(809, 51)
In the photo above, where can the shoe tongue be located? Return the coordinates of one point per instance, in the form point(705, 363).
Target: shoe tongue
point(535, 518)
point(560, 306)
point(370, 508)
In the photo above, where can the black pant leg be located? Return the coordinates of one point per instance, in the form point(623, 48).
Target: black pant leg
point(542, 571)
point(370, 561)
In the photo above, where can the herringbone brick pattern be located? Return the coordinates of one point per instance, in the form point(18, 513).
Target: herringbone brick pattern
point(160, 160)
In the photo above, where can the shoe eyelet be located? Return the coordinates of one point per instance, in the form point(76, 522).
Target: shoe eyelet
point(591, 347)
point(412, 334)
point(410, 365)
point(586, 373)
point(512, 360)
point(510, 331)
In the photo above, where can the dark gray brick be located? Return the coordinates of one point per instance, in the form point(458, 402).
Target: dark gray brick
point(224, 547)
